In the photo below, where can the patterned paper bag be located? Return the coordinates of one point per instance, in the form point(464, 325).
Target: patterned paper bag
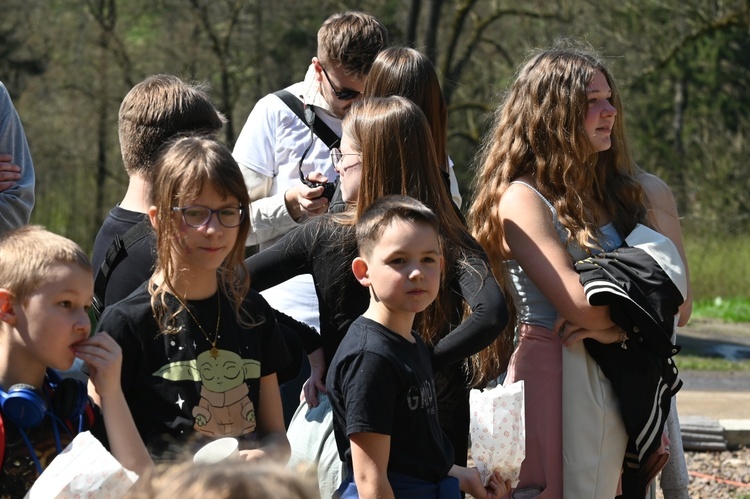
point(498, 431)
point(84, 470)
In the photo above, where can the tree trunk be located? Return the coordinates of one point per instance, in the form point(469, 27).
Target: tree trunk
point(433, 25)
point(412, 22)
point(678, 123)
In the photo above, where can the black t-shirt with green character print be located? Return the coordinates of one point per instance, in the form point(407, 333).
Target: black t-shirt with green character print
point(194, 385)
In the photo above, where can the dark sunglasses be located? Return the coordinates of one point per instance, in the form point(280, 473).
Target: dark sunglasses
point(344, 93)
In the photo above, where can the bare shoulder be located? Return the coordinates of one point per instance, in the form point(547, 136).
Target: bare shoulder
point(519, 200)
point(654, 187)
point(526, 219)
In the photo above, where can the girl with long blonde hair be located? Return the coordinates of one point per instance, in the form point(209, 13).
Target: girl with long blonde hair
point(556, 184)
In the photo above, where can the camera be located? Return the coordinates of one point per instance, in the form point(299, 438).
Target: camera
point(328, 187)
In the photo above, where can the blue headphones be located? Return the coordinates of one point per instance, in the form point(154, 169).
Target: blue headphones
point(26, 407)
point(63, 400)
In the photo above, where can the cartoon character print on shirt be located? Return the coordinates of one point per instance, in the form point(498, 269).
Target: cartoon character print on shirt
point(225, 409)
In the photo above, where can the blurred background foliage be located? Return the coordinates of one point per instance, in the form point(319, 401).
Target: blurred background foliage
point(683, 67)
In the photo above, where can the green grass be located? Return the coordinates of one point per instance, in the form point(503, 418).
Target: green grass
point(719, 265)
point(720, 278)
point(726, 309)
point(690, 362)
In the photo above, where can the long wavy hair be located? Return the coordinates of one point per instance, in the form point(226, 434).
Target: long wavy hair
point(185, 167)
point(398, 157)
point(409, 73)
point(539, 130)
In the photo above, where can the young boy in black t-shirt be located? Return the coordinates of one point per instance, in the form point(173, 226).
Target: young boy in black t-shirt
point(46, 287)
point(380, 381)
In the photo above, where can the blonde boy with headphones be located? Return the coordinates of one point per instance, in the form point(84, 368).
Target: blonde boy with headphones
point(46, 288)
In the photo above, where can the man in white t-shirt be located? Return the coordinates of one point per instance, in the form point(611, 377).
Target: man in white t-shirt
point(274, 139)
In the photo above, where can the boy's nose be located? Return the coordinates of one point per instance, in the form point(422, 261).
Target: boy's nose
point(83, 323)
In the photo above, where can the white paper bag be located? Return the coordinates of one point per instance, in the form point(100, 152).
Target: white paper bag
point(498, 431)
point(84, 470)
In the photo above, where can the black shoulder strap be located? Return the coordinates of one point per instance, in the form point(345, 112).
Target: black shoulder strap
point(320, 129)
point(117, 251)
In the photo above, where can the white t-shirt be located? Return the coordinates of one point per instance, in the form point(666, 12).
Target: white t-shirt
point(268, 151)
point(269, 147)
point(274, 138)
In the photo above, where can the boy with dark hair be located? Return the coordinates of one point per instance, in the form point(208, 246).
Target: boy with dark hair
point(156, 110)
point(45, 295)
point(380, 381)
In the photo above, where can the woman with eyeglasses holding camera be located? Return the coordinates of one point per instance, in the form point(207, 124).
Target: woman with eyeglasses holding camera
point(200, 349)
point(387, 148)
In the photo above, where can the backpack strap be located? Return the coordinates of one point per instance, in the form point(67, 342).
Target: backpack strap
point(116, 253)
point(307, 115)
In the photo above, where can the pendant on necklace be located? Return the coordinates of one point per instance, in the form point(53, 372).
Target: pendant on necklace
point(214, 352)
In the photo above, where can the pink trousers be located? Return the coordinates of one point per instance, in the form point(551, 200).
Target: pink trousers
point(537, 360)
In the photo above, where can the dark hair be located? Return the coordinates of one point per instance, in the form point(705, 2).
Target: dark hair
point(158, 109)
point(385, 210)
point(398, 157)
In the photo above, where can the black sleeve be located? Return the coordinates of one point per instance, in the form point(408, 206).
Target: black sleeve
point(338, 205)
point(132, 271)
point(275, 355)
point(96, 425)
point(287, 258)
point(308, 336)
point(119, 322)
point(488, 317)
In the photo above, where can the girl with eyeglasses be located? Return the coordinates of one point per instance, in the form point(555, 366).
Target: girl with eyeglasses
point(200, 349)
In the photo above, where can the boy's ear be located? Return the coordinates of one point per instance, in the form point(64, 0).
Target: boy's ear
point(360, 270)
point(152, 216)
point(7, 310)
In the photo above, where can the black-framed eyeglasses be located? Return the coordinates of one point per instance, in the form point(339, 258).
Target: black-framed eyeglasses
point(344, 93)
point(337, 157)
point(197, 216)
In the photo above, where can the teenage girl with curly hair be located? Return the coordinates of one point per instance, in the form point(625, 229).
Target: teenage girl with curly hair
point(556, 184)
